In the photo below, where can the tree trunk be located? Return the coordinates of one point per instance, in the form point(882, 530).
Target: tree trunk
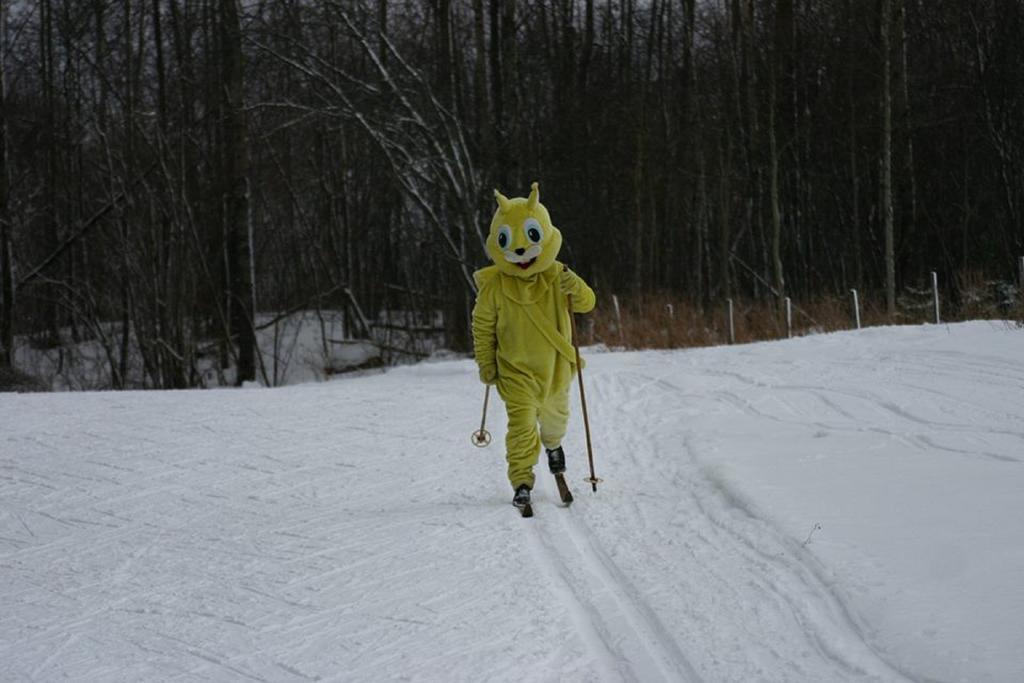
point(51, 229)
point(857, 230)
point(642, 274)
point(503, 47)
point(443, 60)
point(481, 138)
point(693, 163)
point(780, 283)
point(588, 46)
point(6, 257)
point(908, 215)
point(886, 175)
point(725, 215)
point(119, 372)
point(236, 197)
point(498, 96)
point(782, 82)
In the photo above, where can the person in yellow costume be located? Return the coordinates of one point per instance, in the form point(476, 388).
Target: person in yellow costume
point(522, 333)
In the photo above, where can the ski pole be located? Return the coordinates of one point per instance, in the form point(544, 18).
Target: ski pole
point(594, 481)
point(482, 437)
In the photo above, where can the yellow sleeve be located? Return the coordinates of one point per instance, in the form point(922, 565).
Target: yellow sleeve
point(485, 332)
point(583, 298)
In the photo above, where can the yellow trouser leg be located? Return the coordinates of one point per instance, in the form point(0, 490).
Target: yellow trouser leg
point(522, 442)
point(554, 418)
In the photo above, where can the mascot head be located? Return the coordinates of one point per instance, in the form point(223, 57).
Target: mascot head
point(522, 242)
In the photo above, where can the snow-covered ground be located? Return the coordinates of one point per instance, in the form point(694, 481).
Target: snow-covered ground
point(304, 346)
point(831, 508)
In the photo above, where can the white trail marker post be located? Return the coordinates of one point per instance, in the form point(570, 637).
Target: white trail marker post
point(856, 309)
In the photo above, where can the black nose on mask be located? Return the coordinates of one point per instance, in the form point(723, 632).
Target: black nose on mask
point(520, 251)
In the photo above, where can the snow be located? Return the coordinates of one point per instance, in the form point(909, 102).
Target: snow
point(830, 508)
point(303, 346)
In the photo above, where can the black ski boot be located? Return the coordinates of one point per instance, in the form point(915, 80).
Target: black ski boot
point(556, 460)
point(556, 463)
point(522, 500)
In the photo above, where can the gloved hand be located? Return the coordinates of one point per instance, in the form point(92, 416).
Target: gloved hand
point(489, 374)
point(568, 281)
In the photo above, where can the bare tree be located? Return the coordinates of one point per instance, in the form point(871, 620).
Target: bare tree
point(885, 28)
point(6, 257)
point(239, 240)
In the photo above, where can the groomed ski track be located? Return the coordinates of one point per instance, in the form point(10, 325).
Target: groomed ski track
point(784, 622)
point(349, 531)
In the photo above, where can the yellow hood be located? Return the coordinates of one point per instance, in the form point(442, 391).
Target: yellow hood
point(522, 241)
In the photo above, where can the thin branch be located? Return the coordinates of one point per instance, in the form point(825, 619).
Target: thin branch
point(84, 228)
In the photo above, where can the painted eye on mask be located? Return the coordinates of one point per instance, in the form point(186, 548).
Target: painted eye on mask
point(534, 233)
point(504, 236)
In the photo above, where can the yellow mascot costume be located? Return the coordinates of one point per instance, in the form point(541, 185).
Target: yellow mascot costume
point(522, 335)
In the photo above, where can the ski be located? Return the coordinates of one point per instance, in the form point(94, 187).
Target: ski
point(525, 510)
point(563, 489)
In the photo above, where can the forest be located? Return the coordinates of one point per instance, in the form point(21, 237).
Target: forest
point(177, 174)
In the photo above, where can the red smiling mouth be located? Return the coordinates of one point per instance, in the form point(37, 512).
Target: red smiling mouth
point(526, 264)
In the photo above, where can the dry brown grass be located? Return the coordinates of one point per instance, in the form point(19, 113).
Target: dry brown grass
point(662, 321)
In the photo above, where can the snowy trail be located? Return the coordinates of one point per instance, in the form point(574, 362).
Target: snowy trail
point(792, 627)
point(627, 636)
point(348, 531)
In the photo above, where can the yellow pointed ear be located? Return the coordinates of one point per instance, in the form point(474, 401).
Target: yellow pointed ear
point(534, 199)
point(503, 202)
